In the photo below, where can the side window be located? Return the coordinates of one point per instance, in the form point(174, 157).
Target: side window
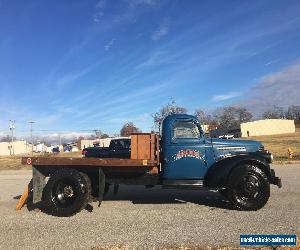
point(114, 143)
point(185, 130)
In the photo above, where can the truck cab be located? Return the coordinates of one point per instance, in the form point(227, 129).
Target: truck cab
point(188, 154)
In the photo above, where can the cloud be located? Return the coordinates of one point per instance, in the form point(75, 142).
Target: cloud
point(100, 5)
point(134, 3)
point(162, 30)
point(271, 62)
point(138, 119)
point(63, 136)
point(227, 96)
point(110, 44)
point(68, 135)
point(280, 88)
point(71, 77)
point(155, 59)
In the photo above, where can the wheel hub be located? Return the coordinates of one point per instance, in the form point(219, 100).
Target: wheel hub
point(250, 186)
point(64, 193)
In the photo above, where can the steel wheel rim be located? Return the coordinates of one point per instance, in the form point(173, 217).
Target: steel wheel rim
point(249, 188)
point(64, 193)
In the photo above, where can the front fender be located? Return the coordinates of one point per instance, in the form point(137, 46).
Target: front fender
point(218, 173)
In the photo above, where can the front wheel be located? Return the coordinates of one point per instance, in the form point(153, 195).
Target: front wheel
point(248, 187)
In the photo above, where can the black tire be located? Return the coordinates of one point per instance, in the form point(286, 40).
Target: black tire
point(66, 193)
point(29, 202)
point(248, 187)
point(223, 192)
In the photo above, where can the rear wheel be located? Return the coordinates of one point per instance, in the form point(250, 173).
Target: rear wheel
point(248, 187)
point(66, 193)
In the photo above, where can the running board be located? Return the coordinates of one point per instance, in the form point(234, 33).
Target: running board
point(183, 184)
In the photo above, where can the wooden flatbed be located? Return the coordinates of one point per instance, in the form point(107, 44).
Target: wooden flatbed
point(142, 168)
point(144, 153)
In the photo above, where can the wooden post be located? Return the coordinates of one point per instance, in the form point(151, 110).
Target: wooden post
point(23, 199)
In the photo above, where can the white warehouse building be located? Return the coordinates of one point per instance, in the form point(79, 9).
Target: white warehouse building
point(267, 127)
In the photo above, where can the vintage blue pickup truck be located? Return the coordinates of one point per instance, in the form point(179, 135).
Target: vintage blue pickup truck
point(180, 157)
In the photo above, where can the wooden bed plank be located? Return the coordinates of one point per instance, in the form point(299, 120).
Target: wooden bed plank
point(64, 161)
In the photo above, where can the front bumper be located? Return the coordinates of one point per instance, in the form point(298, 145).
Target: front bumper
point(275, 180)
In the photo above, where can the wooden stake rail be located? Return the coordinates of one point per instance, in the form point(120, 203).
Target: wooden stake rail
point(64, 161)
point(24, 196)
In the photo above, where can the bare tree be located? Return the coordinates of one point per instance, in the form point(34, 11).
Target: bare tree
point(128, 129)
point(293, 113)
point(232, 117)
point(274, 113)
point(206, 118)
point(6, 138)
point(244, 115)
point(104, 136)
point(98, 133)
point(200, 115)
point(170, 108)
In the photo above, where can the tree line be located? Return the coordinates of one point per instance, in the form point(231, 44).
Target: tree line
point(225, 118)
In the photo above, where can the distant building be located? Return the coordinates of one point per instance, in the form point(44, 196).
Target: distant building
point(16, 148)
point(40, 148)
point(96, 142)
point(267, 127)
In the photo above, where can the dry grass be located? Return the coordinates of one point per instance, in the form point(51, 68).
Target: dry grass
point(278, 145)
point(14, 162)
point(11, 162)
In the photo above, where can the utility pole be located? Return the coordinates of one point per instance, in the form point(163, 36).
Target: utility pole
point(30, 124)
point(12, 127)
point(59, 136)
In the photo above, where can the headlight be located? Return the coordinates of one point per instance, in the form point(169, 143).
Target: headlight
point(271, 157)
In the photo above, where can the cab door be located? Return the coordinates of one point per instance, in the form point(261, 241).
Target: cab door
point(184, 153)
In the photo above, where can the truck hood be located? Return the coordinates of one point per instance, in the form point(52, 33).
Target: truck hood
point(223, 147)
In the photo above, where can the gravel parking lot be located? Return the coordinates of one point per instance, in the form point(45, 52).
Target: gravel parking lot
point(147, 218)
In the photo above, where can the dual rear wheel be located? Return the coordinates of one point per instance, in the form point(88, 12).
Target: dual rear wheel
point(66, 193)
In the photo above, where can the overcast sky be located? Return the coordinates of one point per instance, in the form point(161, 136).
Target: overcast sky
point(77, 65)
